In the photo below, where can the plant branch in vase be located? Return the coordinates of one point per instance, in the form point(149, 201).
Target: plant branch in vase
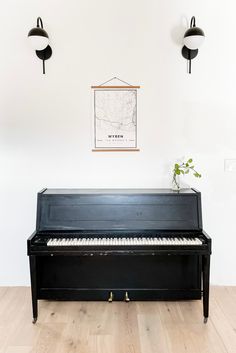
point(183, 168)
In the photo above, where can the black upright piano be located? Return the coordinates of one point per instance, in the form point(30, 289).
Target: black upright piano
point(119, 244)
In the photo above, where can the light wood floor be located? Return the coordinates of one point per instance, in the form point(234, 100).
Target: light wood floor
point(135, 327)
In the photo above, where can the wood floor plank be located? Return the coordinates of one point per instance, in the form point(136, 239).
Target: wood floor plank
point(100, 327)
point(18, 349)
point(226, 300)
point(151, 330)
point(127, 328)
point(3, 291)
point(223, 316)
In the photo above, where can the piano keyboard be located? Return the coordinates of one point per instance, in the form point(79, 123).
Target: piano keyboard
point(122, 241)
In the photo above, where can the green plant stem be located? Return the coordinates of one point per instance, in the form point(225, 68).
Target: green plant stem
point(184, 168)
point(175, 181)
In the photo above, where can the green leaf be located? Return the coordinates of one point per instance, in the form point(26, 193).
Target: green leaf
point(177, 172)
point(190, 160)
point(186, 164)
point(176, 165)
point(187, 171)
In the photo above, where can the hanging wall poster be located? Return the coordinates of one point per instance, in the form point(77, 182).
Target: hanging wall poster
point(115, 117)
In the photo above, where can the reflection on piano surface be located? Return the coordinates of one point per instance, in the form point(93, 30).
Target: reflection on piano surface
point(117, 244)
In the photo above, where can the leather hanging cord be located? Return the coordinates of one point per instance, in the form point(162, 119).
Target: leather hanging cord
point(115, 78)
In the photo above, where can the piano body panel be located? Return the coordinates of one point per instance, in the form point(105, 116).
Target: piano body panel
point(163, 272)
point(208, 241)
point(144, 276)
point(84, 294)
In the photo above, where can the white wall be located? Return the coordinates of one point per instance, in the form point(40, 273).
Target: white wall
point(45, 121)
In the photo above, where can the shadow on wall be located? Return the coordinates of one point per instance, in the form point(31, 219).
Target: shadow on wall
point(177, 32)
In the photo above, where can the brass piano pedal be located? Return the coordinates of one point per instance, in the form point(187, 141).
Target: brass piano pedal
point(110, 297)
point(127, 297)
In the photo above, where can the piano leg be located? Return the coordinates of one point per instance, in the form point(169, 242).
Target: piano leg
point(206, 279)
point(33, 287)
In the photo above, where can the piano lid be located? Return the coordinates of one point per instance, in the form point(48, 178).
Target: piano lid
point(115, 191)
point(118, 209)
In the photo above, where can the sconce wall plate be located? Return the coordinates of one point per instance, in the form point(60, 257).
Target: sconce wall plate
point(44, 54)
point(189, 54)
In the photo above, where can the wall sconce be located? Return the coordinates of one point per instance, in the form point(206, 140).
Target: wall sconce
point(193, 39)
point(39, 40)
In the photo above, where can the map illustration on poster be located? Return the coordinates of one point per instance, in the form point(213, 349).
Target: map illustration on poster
point(115, 117)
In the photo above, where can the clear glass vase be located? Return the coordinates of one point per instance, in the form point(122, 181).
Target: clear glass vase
point(175, 183)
